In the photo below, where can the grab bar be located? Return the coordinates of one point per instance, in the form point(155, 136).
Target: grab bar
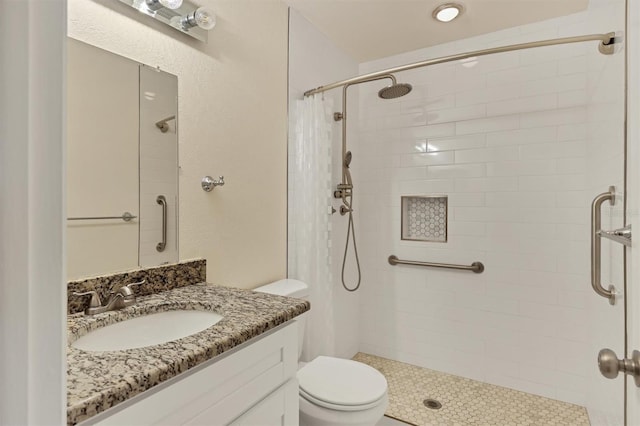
point(126, 216)
point(163, 202)
point(596, 255)
point(476, 267)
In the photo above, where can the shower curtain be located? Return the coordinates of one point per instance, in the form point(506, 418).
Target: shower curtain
point(310, 218)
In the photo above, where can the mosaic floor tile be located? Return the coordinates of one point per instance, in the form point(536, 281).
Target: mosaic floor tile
point(466, 401)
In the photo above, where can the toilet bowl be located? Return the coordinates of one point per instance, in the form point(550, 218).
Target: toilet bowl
point(333, 391)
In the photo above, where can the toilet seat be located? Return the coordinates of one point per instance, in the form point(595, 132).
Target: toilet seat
point(341, 384)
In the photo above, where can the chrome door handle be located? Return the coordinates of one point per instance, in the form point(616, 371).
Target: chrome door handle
point(610, 365)
point(596, 256)
point(163, 202)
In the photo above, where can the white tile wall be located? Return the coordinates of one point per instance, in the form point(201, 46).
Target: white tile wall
point(509, 140)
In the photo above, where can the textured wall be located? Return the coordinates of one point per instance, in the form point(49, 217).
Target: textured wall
point(507, 138)
point(232, 108)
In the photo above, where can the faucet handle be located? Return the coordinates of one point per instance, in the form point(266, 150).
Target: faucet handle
point(95, 299)
point(126, 289)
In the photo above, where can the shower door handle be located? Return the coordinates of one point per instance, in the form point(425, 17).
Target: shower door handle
point(163, 202)
point(596, 255)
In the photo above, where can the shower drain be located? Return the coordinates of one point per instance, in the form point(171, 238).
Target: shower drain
point(432, 404)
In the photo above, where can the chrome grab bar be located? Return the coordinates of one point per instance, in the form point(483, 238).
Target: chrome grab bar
point(163, 202)
point(476, 267)
point(126, 216)
point(596, 255)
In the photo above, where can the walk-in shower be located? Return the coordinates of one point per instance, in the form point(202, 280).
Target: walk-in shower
point(344, 190)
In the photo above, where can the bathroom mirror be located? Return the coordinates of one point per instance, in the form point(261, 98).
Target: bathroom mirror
point(122, 163)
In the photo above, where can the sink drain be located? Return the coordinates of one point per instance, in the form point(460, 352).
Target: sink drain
point(432, 404)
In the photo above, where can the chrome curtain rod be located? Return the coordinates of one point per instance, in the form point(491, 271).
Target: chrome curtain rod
point(606, 47)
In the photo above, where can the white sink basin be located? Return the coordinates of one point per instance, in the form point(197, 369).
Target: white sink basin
point(147, 330)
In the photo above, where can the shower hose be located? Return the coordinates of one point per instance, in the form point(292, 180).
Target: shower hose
point(351, 231)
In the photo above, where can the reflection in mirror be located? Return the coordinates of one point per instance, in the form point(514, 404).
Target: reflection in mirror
point(119, 162)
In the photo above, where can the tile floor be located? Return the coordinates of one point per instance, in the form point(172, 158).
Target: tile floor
point(465, 401)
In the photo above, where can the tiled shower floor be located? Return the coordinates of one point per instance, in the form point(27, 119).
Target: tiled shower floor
point(465, 401)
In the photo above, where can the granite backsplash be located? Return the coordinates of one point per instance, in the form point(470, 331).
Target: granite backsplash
point(159, 278)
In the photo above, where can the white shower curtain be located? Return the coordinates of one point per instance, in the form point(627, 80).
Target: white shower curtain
point(310, 218)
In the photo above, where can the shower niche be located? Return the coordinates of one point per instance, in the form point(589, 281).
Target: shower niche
point(424, 218)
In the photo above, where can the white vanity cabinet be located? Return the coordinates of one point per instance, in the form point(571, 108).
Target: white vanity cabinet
point(253, 384)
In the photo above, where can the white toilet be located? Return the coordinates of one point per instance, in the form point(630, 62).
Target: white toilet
point(333, 391)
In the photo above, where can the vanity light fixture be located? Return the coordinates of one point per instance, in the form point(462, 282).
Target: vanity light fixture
point(447, 12)
point(182, 15)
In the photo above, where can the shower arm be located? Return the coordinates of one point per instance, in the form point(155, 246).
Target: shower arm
point(606, 47)
point(343, 118)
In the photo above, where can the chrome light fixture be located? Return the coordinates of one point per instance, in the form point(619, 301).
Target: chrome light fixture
point(202, 17)
point(182, 15)
point(447, 12)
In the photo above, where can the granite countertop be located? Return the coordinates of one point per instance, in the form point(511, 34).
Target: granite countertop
point(97, 381)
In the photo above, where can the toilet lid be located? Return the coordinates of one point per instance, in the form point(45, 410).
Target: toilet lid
point(335, 382)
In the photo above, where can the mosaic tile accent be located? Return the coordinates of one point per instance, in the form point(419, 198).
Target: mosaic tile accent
point(465, 401)
point(160, 278)
point(424, 218)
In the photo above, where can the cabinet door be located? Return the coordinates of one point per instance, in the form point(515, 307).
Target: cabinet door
point(217, 392)
point(278, 409)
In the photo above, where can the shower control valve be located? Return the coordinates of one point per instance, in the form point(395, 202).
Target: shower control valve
point(343, 190)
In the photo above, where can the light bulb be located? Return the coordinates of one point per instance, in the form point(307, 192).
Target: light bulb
point(155, 5)
point(204, 18)
point(171, 4)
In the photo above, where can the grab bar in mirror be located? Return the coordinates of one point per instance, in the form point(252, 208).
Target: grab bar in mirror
point(476, 267)
point(163, 202)
point(126, 216)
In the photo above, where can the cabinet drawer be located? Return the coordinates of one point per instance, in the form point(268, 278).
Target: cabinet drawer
point(227, 385)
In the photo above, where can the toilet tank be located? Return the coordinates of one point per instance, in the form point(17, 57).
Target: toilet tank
point(290, 288)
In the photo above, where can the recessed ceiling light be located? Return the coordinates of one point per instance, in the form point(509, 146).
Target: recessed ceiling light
point(447, 12)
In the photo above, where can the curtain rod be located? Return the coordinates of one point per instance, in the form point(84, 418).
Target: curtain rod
point(606, 47)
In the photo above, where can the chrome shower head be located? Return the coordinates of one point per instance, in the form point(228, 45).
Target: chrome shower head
point(396, 90)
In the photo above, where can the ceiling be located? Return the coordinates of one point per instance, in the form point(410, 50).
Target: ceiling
point(372, 29)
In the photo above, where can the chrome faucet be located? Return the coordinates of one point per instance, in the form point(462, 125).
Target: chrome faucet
point(118, 299)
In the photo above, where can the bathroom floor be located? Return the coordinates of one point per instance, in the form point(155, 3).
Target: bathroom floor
point(465, 401)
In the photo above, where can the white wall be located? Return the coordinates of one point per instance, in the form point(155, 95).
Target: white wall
point(506, 138)
point(313, 61)
point(232, 107)
point(32, 211)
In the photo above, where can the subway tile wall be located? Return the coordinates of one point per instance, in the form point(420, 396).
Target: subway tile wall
point(506, 138)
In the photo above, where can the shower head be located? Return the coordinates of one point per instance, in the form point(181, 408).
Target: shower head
point(396, 90)
point(347, 159)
